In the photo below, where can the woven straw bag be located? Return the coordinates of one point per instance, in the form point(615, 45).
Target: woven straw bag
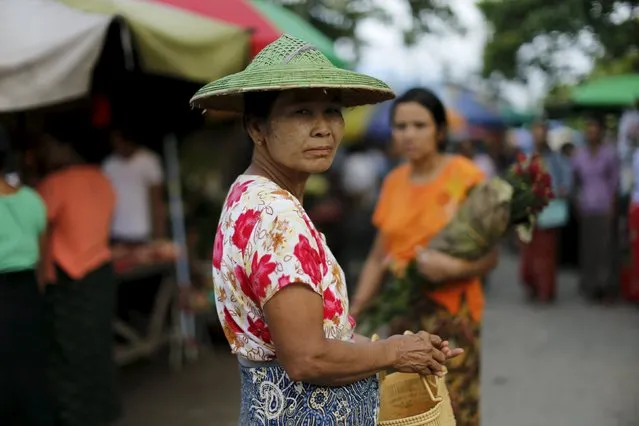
point(409, 399)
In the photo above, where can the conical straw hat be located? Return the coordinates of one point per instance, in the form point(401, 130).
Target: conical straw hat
point(290, 63)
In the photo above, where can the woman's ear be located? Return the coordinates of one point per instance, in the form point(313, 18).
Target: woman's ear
point(442, 133)
point(255, 129)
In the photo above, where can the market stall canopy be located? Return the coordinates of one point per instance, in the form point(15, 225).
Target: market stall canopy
point(474, 111)
point(175, 42)
point(266, 20)
point(47, 52)
point(515, 117)
point(618, 90)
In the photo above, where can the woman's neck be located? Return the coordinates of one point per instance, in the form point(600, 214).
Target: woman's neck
point(427, 167)
point(293, 182)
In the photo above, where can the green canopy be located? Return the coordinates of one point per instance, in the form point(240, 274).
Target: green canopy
point(290, 23)
point(618, 90)
point(516, 117)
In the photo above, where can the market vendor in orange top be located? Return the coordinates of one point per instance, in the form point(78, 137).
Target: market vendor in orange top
point(417, 200)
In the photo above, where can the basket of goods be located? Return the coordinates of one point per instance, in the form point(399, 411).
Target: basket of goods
point(410, 399)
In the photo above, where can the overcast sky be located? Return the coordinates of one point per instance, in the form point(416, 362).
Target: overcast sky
point(386, 57)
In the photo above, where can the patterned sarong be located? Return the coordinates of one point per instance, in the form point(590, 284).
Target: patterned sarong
point(271, 398)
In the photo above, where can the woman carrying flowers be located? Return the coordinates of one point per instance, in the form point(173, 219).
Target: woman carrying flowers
point(540, 256)
point(279, 292)
point(417, 201)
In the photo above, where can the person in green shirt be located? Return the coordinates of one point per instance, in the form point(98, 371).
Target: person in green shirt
point(23, 386)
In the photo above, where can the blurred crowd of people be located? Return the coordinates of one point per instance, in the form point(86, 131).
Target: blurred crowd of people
point(596, 200)
point(63, 232)
point(58, 298)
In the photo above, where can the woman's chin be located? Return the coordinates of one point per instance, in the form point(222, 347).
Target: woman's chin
point(319, 165)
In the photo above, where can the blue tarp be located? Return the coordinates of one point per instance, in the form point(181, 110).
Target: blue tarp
point(463, 101)
point(379, 126)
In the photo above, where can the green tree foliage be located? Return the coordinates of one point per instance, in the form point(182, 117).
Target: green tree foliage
point(529, 33)
point(340, 18)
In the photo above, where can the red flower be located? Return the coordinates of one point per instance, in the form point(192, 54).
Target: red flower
point(245, 284)
point(521, 157)
point(258, 328)
point(319, 242)
point(243, 228)
point(539, 191)
point(534, 168)
point(236, 193)
point(261, 268)
point(309, 258)
point(258, 282)
point(352, 322)
point(332, 306)
point(518, 169)
point(228, 318)
point(218, 248)
point(544, 179)
point(283, 281)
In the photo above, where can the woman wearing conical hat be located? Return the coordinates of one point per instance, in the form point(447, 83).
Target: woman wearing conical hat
point(279, 292)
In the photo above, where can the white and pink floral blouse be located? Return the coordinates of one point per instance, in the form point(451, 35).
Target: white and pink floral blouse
point(264, 242)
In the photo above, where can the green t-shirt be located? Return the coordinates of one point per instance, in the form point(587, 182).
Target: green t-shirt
point(23, 218)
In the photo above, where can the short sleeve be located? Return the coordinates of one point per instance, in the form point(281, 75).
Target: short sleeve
point(467, 172)
point(475, 175)
point(283, 249)
point(106, 166)
point(52, 196)
point(39, 213)
point(153, 171)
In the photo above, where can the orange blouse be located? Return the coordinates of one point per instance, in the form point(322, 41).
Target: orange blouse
point(80, 203)
point(408, 215)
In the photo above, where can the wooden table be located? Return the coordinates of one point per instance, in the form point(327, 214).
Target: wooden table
point(162, 329)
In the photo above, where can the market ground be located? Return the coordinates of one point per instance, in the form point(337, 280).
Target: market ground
point(570, 364)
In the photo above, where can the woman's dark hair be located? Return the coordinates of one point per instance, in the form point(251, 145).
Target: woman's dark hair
point(597, 119)
point(431, 103)
point(259, 104)
point(128, 134)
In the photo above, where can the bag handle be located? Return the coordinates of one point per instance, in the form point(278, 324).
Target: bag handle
point(424, 379)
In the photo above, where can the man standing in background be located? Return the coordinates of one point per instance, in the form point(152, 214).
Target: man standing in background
point(140, 213)
point(597, 173)
point(137, 176)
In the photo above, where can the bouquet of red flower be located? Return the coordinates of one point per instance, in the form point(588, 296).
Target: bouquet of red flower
point(489, 211)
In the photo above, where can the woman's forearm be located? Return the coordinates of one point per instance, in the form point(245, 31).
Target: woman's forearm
point(470, 269)
point(340, 363)
point(455, 269)
point(358, 338)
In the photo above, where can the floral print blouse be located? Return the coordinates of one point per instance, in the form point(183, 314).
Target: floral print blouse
point(264, 242)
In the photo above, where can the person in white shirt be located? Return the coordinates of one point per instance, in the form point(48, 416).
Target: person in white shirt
point(136, 174)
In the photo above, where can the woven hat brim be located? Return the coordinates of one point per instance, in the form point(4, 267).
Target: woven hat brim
point(227, 93)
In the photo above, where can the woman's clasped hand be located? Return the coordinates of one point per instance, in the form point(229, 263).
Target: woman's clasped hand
point(421, 353)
